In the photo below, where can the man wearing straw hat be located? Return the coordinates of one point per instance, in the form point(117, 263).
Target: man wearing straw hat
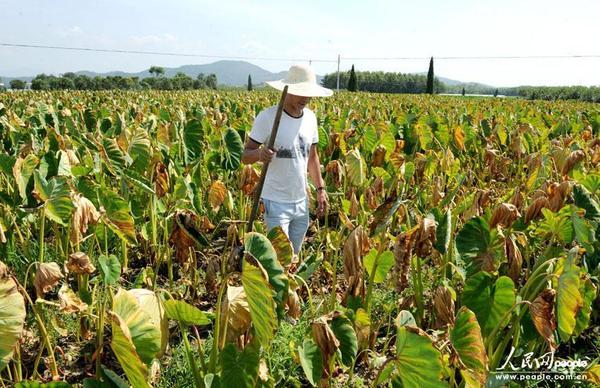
point(294, 153)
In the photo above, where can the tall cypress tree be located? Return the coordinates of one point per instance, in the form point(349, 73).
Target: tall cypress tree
point(430, 77)
point(352, 82)
point(463, 91)
point(249, 83)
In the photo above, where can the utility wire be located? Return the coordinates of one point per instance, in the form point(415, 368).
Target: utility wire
point(296, 59)
point(158, 53)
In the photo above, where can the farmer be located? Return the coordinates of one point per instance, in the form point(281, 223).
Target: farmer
point(284, 194)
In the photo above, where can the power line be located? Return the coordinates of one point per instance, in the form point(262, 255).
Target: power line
point(162, 53)
point(158, 53)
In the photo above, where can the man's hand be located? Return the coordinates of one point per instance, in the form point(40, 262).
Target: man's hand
point(265, 154)
point(322, 202)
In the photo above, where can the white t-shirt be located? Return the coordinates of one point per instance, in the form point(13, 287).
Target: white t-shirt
point(286, 178)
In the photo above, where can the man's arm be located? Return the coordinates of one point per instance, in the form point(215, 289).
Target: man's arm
point(314, 170)
point(253, 153)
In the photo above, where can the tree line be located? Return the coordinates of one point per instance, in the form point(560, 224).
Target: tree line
point(383, 82)
point(72, 81)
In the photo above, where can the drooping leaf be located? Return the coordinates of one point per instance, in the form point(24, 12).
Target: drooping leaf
point(115, 160)
point(466, 338)
point(490, 300)
point(192, 139)
point(123, 347)
point(262, 250)
point(232, 154)
point(282, 245)
point(568, 298)
point(12, 316)
point(145, 336)
point(118, 216)
point(585, 200)
point(260, 301)
point(588, 292)
point(344, 332)
point(311, 361)
point(153, 306)
point(444, 230)
point(186, 313)
point(56, 196)
point(23, 172)
point(542, 316)
point(216, 194)
point(138, 180)
point(140, 149)
point(355, 168)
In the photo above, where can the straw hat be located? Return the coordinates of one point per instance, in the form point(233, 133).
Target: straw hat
point(301, 81)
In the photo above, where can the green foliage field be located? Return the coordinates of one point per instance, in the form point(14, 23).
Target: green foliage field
point(459, 230)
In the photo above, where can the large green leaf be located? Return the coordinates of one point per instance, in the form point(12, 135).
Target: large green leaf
point(282, 245)
point(418, 363)
point(23, 172)
point(7, 163)
point(64, 164)
point(138, 180)
point(232, 154)
point(185, 313)
point(114, 159)
point(12, 317)
point(311, 361)
point(466, 339)
point(583, 316)
point(153, 306)
point(262, 250)
point(473, 238)
point(444, 230)
point(344, 332)
point(424, 135)
point(568, 297)
point(583, 229)
point(146, 336)
point(489, 300)
point(56, 196)
point(192, 139)
point(584, 199)
point(139, 149)
point(123, 347)
point(118, 216)
point(260, 301)
point(384, 264)
point(557, 225)
point(239, 369)
point(355, 168)
point(478, 246)
point(110, 268)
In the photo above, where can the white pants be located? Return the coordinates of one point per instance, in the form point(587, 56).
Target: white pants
point(292, 217)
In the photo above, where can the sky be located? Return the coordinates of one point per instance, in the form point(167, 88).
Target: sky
point(301, 31)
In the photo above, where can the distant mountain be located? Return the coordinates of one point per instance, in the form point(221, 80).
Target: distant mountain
point(230, 73)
